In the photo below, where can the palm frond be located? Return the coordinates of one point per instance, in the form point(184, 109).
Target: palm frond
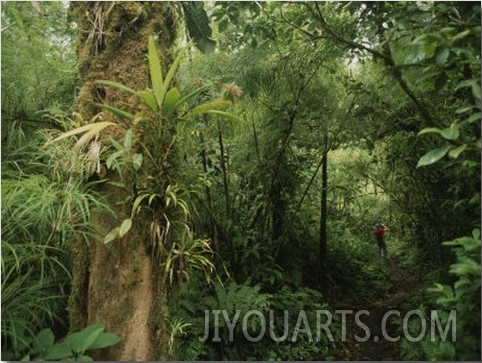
point(90, 131)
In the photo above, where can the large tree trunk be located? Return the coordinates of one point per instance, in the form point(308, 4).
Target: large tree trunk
point(119, 285)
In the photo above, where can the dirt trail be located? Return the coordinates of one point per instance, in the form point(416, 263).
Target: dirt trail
point(377, 348)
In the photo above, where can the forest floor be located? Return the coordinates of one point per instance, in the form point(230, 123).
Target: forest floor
point(404, 286)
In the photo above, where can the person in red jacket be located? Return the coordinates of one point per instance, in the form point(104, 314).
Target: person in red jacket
point(379, 232)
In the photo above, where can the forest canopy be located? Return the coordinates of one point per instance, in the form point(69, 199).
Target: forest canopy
point(181, 179)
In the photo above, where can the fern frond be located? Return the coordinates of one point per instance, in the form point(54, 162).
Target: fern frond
point(193, 351)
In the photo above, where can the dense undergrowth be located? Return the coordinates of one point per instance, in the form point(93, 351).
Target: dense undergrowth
point(44, 207)
point(263, 232)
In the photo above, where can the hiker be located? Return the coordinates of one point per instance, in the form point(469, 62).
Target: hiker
point(379, 232)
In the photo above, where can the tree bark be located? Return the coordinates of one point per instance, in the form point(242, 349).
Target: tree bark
point(119, 285)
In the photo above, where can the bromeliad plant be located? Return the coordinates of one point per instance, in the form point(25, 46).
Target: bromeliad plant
point(163, 100)
point(144, 161)
point(162, 199)
point(164, 104)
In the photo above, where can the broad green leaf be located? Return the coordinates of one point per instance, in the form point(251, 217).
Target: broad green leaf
point(427, 38)
point(79, 342)
point(84, 358)
point(454, 153)
point(117, 112)
point(433, 156)
point(476, 90)
point(155, 69)
point(60, 351)
point(111, 235)
point(430, 130)
point(206, 45)
point(149, 99)
point(205, 107)
point(105, 340)
point(442, 56)
point(472, 83)
point(118, 85)
point(464, 109)
point(125, 227)
point(43, 341)
point(172, 72)
point(471, 244)
point(75, 342)
point(460, 36)
point(473, 118)
point(197, 23)
point(170, 101)
point(89, 335)
point(137, 161)
point(138, 201)
point(451, 133)
point(428, 43)
point(128, 139)
point(476, 234)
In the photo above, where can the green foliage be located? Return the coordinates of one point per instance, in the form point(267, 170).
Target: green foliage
point(74, 347)
point(245, 196)
point(179, 252)
point(38, 62)
point(163, 99)
point(252, 25)
point(34, 279)
point(365, 273)
point(238, 299)
point(463, 297)
point(302, 348)
point(197, 23)
point(43, 209)
point(186, 255)
point(124, 157)
point(451, 46)
point(231, 297)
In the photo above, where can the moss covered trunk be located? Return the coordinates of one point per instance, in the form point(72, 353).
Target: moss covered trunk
point(118, 284)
